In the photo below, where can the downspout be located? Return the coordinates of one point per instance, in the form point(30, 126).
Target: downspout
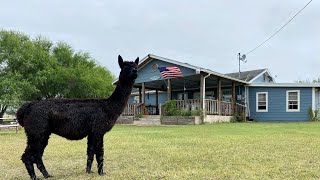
point(247, 100)
point(313, 98)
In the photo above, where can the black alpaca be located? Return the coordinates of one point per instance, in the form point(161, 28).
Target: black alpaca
point(74, 119)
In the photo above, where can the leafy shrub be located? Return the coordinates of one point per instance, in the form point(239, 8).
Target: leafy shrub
point(313, 115)
point(316, 114)
point(236, 118)
point(140, 115)
point(170, 109)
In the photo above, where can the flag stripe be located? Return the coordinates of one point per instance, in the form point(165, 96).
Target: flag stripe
point(173, 72)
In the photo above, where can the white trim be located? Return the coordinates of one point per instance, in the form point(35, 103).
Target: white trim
point(284, 85)
point(256, 77)
point(287, 99)
point(257, 101)
point(313, 98)
point(150, 92)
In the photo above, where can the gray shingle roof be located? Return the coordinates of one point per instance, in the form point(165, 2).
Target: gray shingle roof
point(246, 75)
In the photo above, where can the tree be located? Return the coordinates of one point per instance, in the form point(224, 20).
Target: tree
point(12, 88)
point(315, 80)
point(36, 68)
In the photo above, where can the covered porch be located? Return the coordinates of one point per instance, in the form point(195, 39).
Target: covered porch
point(200, 89)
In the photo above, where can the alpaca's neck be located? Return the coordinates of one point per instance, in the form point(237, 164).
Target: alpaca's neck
point(122, 92)
point(119, 97)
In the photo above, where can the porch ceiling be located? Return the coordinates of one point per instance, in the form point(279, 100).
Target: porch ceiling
point(187, 82)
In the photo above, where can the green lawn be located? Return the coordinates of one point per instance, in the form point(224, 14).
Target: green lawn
point(216, 151)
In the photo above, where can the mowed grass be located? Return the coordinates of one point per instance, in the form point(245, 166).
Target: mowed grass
point(215, 151)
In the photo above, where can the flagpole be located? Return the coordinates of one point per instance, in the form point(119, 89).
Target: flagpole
point(164, 80)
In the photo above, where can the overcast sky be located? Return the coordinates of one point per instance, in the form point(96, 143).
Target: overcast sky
point(205, 33)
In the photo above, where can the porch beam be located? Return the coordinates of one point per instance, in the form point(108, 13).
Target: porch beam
point(233, 90)
point(233, 96)
point(169, 90)
point(143, 93)
point(157, 99)
point(140, 95)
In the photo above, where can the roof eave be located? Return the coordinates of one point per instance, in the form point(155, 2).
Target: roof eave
point(284, 85)
point(223, 76)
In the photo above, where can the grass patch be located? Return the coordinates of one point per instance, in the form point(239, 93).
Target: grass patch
point(216, 151)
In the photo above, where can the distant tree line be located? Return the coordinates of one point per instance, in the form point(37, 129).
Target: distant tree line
point(37, 68)
point(316, 80)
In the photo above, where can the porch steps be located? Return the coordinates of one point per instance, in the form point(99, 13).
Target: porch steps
point(148, 120)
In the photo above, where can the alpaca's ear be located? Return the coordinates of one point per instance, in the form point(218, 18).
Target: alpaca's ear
point(137, 60)
point(120, 61)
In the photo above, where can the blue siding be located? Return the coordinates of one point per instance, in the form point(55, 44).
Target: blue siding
point(277, 104)
point(260, 79)
point(151, 98)
point(146, 73)
point(131, 98)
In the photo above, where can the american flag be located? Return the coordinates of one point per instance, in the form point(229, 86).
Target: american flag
point(170, 72)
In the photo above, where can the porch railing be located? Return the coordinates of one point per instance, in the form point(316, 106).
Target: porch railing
point(129, 110)
point(189, 104)
point(134, 109)
point(225, 108)
point(212, 107)
point(140, 108)
point(241, 110)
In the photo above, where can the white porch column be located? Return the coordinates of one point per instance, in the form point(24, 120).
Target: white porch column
point(202, 91)
point(202, 96)
point(219, 95)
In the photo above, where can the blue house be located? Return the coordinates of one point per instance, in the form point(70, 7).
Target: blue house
point(254, 93)
point(282, 101)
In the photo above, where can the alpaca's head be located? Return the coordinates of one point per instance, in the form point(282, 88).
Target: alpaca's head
point(129, 70)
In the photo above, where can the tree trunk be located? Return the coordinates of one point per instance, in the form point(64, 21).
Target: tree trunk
point(1, 116)
point(2, 111)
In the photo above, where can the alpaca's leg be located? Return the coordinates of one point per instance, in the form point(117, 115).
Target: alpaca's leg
point(90, 153)
point(42, 145)
point(28, 158)
point(99, 155)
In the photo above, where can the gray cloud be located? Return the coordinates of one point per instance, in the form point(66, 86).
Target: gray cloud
point(205, 33)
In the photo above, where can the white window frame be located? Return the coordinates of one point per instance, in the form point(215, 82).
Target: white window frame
point(287, 101)
point(257, 102)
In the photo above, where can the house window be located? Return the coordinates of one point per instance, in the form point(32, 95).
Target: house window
point(293, 101)
point(262, 102)
point(182, 96)
point(226, 95)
